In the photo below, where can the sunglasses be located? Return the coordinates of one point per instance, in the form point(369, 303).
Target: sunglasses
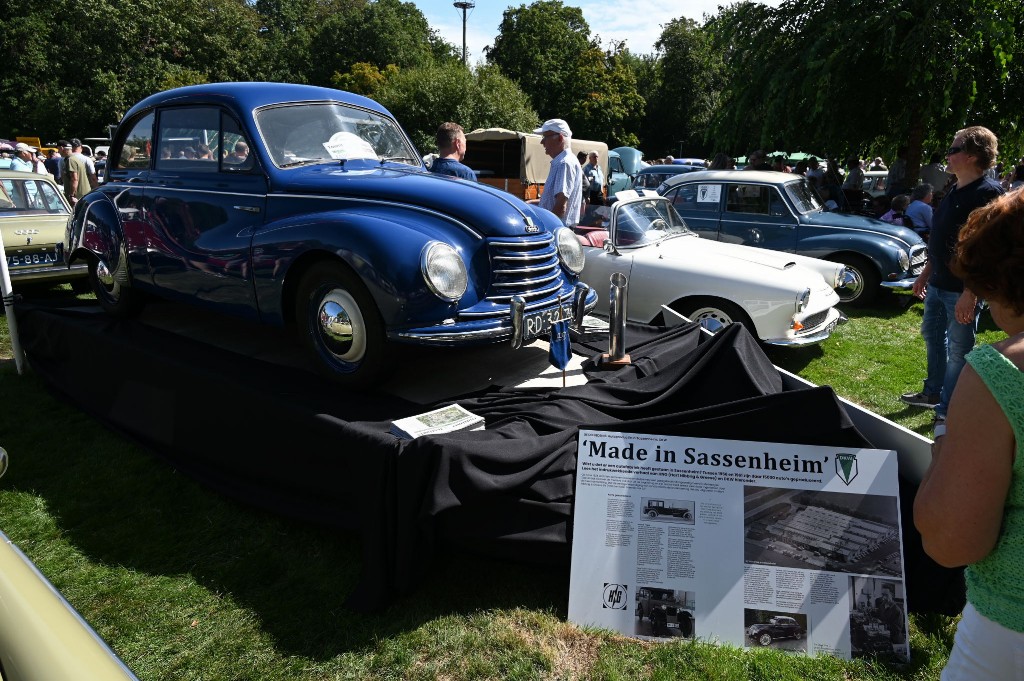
point(953, 150)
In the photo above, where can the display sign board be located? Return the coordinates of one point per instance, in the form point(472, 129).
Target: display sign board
point(754, 544)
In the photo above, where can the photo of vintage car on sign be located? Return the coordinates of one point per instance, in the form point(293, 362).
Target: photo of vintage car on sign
point(764, 629)
point(783, 299)
point(667, 612)
point(310, 208)
point(674, 509)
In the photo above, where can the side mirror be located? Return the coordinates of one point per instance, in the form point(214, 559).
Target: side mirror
point(609, 247)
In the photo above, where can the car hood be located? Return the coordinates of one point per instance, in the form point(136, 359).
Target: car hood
point(725, 258)
point(827, 219)
point(488, 211)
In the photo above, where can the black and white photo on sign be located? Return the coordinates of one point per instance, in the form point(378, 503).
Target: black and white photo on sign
point(851, 533)
point(664, 613)
point(878, 618)
point(680, 510)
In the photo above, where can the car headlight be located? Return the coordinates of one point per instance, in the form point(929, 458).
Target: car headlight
point(803, 299)
point(569, 250)
point(904, 259)
point(444, 271)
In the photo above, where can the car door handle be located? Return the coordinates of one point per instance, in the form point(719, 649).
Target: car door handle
point(248, 209)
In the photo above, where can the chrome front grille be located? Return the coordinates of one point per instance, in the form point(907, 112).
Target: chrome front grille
point(815, 320)
point(918, 258)
point(527, 268)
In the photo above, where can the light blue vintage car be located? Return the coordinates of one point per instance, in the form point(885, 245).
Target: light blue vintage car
point(782, 212)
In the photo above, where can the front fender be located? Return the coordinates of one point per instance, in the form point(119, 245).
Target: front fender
point(382, 247)
point(95, 231)
point(882, 252)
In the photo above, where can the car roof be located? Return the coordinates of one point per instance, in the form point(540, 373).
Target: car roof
point(666, 168)
point(22, 175)
point(250, 96)
point(765, 176)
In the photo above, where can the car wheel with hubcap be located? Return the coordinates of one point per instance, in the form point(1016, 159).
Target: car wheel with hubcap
point(112, 291)
point(864, 281)
point(339, 325)
point(714, 310)
point(764, 639)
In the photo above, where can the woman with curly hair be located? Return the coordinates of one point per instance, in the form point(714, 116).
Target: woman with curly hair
point(970, 505)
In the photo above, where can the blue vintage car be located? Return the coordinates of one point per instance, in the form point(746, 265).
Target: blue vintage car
point(781, 211)
point(305, 206)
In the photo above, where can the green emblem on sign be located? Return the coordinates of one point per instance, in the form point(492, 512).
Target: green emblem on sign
point(846, 467)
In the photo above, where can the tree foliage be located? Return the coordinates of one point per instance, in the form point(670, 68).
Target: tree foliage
point(855, 75)
point(547, 48)
point(422, 98)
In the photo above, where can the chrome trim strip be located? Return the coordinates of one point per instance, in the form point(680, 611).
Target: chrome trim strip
point(526, 282)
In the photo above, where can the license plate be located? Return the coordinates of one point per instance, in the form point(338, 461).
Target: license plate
point(538, 323)
point(673, 625)
point(32, 259)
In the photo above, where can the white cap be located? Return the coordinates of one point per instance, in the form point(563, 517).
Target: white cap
point(554, 125)
point(21, 146)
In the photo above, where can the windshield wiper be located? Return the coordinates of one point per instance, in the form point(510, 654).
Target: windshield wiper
point(395, 159)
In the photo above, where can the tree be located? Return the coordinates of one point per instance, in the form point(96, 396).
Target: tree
point(538, 47)
point(546, 47)
point(908, 72)
point(422, 98)
point(378, 32)
point(687, 81)
point(287, 31)
point(109, 54)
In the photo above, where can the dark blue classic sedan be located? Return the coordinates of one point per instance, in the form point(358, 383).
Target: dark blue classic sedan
point(782, 212)
point(305, 206)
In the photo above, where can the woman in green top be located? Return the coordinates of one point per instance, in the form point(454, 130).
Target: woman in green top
point(970, 506)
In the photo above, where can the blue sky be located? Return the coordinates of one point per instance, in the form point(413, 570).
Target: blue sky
point(638, 22)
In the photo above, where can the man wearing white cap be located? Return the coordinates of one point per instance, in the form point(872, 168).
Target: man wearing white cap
point(563, 190)
point(25, 159)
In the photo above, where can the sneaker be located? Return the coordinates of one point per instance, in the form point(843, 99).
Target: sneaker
point(928, 400)
point(938, 425)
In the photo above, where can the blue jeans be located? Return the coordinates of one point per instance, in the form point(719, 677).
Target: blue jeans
point(946, 343)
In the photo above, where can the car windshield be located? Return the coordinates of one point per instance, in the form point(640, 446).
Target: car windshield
point(804, 197)
point(645, 222)
point(298, 134)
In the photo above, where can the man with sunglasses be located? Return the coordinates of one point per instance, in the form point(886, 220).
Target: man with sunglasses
point(950, 319)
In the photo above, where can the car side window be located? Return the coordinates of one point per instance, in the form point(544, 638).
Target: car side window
point(138, 145)
point(688, 198)
point(185, 139)
point(748, 198)
point(615, 165)
point(777, 204)
point(236, 156)
point(51, 198)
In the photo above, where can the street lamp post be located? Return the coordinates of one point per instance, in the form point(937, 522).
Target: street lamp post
point(464, 5)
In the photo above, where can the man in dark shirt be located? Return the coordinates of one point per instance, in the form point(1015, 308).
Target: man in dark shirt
point(451, 149)
point(951, 311)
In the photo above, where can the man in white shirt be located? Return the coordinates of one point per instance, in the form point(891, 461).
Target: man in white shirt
point(563, 189)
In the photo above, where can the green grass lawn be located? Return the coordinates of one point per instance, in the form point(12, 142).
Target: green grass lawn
point(184, 584)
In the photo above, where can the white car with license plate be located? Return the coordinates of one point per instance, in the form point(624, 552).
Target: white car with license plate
point(782, 298)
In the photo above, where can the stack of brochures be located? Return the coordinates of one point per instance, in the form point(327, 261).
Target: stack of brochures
point(444, 420)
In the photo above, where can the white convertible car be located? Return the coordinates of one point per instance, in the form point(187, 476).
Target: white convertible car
point(782, 298)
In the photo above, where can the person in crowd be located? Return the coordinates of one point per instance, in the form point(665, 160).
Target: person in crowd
point(563, 189)
point(969, 507)
point(896, 180)
point(880, 205)
point(757, 160)
point(451, 149)
point(204, 152)
point(90, 165)
point(827, 198)
point(951, 309)
point(935, 174)
point(854, 174)
point(52, 164)
point(780, 166)
point(834, 182)
point(897, 214)
point(592, 172)
point(722, 161)
point(815, 175)
point(669, 160)
point(1017, 179)
point(582, 159)
point(800, 168)
point(75, 174)
point(25, 159)
point(877, 164)
point(920, 210)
